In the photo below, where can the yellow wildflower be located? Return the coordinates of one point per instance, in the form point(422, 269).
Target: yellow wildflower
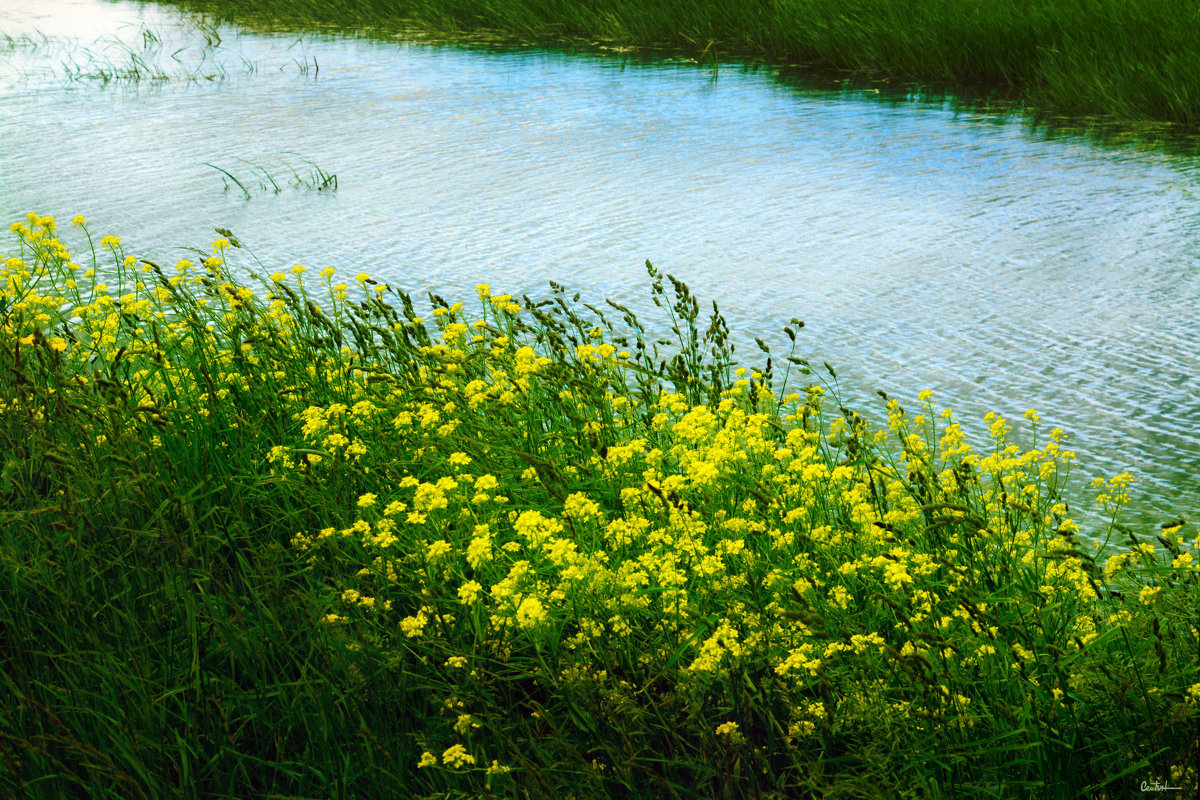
point(457, 756)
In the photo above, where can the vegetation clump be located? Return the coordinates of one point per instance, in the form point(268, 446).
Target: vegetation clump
point(1135, 61)
point(265, 182)
point(290, 536)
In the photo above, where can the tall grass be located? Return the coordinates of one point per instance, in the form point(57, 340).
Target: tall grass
point(279, 535)
point(1130, 60)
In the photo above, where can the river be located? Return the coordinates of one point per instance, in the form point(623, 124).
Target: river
point(926, 246)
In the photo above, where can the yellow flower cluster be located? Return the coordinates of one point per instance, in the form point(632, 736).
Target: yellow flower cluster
point(501, 498)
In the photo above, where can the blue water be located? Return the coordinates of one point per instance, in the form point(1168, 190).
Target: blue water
point(925, 247)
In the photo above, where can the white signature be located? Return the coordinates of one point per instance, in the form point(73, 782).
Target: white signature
point(1155, 786)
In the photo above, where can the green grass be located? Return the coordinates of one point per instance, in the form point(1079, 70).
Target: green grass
point(262, 179)
point(116, 60)
point(274, 535)
point(1129, 60)
point(113, 60)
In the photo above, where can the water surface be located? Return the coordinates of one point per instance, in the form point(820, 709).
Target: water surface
point(925, 247)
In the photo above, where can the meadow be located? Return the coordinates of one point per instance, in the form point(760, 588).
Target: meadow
point(1115, 59)
point(294, 534)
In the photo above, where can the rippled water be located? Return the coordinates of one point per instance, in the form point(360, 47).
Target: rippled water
point(924, 247)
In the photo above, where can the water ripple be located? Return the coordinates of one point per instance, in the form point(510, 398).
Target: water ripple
point(925, 248)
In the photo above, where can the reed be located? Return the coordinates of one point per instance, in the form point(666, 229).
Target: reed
point(280, 534)
point(1113, 58)
point(263, 180)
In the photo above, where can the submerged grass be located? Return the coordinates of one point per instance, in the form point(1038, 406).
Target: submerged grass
point(1130, 60)
point(192, 54)
point(314, 177)
point(282, 535)
point(117, 59)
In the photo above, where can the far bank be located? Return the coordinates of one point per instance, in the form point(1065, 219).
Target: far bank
point(1110, 58)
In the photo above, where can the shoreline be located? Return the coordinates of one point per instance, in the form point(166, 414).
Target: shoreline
point(1056, 57)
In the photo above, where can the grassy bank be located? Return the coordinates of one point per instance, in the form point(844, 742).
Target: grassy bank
point(1130, 60)
point(296, 537)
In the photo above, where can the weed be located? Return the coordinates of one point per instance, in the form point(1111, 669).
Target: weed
point(1132, 61)
point(286, 534)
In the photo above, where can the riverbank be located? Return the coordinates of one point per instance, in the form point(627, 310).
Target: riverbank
point(1128, 61)
point(293, 534)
